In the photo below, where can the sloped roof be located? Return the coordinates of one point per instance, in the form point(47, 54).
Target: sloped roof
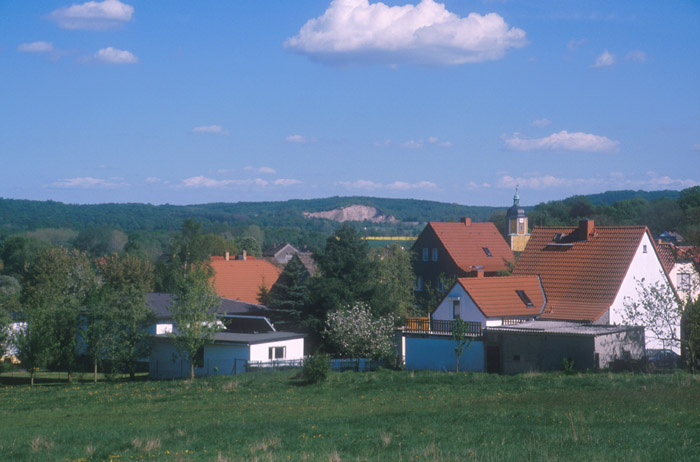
point(242, 279)
point(498, 296)
point(581, 278)
point(160, 305)
point(667, 255)
point(465, 244)
point(275, 249)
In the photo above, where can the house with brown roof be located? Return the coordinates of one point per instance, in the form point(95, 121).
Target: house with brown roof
point(681, 263)
point(492, 301)
point(458, 249)
point(588, 272)
point(241, 278)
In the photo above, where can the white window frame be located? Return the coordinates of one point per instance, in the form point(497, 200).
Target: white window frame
point(683, 280)
point(272, 352)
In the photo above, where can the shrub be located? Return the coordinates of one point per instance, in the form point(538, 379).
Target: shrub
point(316, 368)
point(355, 333)
point(567, 364)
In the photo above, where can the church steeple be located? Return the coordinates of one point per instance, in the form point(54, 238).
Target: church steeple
point(516, 224)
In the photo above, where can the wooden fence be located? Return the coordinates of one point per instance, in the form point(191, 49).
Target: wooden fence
point(438, 326)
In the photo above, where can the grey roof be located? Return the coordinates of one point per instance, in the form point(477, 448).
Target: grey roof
point(248, 339)
point(160, 304)
point(561, 328)
point(275, 249)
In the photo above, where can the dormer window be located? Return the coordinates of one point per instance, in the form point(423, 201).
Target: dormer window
point(526, 300)
point(487, 251)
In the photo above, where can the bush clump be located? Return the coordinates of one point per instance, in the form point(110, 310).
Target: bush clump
point(316, 368)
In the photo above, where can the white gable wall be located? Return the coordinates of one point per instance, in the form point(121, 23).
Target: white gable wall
point(468, 310)
point(294, 350)
point(647, 266)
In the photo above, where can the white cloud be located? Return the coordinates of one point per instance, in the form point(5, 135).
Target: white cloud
point(564, 141)
point(360, 32)
point(396, 185)
point(695, 147)
point(93, 15)
point(541, 123)
point(36, 47)
point(204, 182)
point(111, 55)
point(286, 182)
point(475, 185)
point(299, 139)
point(419, 185)
point(605, 59)
point(152, 179)
point(361, 184)
point(250, 168)
point(637, 56)
point(573, 45)
point(213, 129)
point(382, 143)
point(88, 182)
point(412, 144)
point(613, 180)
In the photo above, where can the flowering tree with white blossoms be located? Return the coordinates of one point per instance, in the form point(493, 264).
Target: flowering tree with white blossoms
point(355, 333)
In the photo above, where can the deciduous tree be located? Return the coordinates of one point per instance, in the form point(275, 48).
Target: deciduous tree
point(194, 314)
point(355, 333)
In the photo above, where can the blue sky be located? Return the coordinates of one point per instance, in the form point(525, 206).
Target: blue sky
point(190, 102)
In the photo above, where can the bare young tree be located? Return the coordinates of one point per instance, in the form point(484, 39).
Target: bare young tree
point(658, 309)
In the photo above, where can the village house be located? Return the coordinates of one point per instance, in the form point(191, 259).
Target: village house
point(243, 277)
point(681, 263)
point(460, 249)
point(246, 337)
point(589, 272)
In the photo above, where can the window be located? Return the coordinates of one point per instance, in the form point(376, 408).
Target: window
point(434, 254)
point(277, 352)
point(684, 281)
point(419, 283)
point(644, 248)
point(425, 254)
point(487, 251)
point(526, 300)
point(455, 309)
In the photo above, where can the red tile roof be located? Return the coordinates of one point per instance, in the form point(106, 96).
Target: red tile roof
point(498, 296)
point(667, 255)
point(581, 278)
point(242, 279)
point(465, 245)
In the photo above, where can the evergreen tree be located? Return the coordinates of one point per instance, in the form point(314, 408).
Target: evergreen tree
point(288, 296)
point(346, 274)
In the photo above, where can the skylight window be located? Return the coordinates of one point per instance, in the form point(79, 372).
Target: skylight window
point(526, 300)
point(487, 251)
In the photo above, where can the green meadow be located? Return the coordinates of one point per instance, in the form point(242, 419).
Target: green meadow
point(377, 416)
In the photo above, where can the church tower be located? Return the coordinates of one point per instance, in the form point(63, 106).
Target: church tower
point(516, 224)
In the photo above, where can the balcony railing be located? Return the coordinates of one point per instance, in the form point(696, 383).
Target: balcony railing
point(438, 326)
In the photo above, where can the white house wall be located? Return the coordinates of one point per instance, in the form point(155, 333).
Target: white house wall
point(294, 349)
point(647, 266)
point(468, 310)
point(686, 268)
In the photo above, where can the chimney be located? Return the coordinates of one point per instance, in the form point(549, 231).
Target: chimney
point(245, 254)
point(227, 256)
point(585, 229)
point(467, 221)
point(480, 273)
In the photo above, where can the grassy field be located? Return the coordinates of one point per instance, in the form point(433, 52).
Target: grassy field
point(378, 416)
